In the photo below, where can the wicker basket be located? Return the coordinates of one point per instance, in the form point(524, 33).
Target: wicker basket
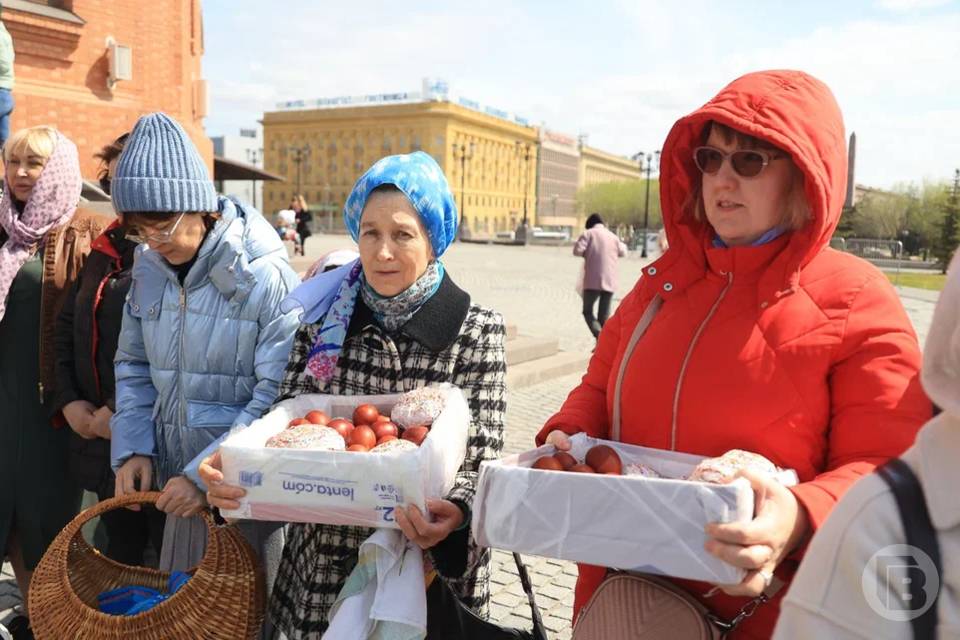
point(223, 599)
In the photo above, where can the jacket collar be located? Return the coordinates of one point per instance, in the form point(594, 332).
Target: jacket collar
point(104, 243)
point(436, 325)
point(223, 259)
point(748, 263)
point(113, 242)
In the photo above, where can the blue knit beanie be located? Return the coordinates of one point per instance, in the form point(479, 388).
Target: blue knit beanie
point(160, 169)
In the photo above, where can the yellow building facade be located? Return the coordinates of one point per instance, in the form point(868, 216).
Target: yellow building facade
point(490, 162)
point(598, 166)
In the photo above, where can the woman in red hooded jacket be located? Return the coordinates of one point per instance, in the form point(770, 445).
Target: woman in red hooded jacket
point(763, 337)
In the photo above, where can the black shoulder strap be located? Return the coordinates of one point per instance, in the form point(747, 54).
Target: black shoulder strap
point(539, 631)
point(920, 534)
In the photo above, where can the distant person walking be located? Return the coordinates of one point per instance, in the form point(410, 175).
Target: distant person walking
point(6, 83)
point(600, 248)
point(304, 218)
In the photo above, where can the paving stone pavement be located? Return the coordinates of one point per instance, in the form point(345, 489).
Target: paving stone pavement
point(919, 304)
point(533, 288)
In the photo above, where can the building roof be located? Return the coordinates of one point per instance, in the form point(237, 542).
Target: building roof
point(224, 169)
point(611, 158)
point(379, 112)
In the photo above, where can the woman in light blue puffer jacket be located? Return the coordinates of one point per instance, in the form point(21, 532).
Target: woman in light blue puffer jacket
point(199, 358)
point(203, 342)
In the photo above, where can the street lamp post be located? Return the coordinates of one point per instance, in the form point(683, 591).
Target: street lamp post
point(466, 152)
point(299, 154)
point(254, 157)
point(523, 150)
point(328, 206)
point(650, 158)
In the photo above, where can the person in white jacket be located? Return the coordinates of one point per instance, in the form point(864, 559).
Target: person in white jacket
point(854, 582)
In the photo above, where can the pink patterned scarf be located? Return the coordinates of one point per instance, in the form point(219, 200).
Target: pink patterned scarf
point(52, 203)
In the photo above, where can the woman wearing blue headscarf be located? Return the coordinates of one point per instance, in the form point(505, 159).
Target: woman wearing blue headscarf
point(390, 322)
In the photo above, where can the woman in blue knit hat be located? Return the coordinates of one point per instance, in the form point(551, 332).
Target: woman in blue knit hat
point(389, 322)
point(203, 341)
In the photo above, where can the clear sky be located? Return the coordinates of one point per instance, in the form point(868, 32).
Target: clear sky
point(619, 71)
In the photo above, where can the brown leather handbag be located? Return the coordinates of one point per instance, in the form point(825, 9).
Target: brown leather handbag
point(628, 606)
point(641, 607)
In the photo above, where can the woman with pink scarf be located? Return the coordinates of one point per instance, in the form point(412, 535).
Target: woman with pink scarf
point(43, 242)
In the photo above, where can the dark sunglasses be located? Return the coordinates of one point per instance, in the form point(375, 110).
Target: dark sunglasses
point(746, 163)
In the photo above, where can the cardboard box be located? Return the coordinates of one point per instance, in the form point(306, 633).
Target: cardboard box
point(649, 525)
point(341, 487)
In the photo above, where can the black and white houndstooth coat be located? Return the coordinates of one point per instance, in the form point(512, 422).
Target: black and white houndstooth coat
point(448, 340)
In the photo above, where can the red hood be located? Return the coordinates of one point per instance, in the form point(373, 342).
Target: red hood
point(789, 109)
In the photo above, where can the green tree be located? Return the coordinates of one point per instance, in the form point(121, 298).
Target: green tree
point(880, 214)
point(924, 215)
point(845, 225)
point(949, 227)
point(908, 212)
point(622, 203)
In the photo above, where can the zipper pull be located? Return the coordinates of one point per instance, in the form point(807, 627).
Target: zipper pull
point(40, 389)
point(183, 297)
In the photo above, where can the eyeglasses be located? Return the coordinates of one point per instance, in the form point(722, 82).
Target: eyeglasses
point(746, 163)
point(154, 237)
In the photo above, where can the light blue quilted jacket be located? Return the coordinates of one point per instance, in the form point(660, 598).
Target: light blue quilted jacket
point(196, 360)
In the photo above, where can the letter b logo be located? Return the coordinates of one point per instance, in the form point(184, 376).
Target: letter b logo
point(899, 575)
point(900, 582)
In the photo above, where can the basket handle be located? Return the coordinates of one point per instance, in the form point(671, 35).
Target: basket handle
point(119, 502)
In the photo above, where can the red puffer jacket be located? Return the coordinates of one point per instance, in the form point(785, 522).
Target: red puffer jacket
point(790, 349)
